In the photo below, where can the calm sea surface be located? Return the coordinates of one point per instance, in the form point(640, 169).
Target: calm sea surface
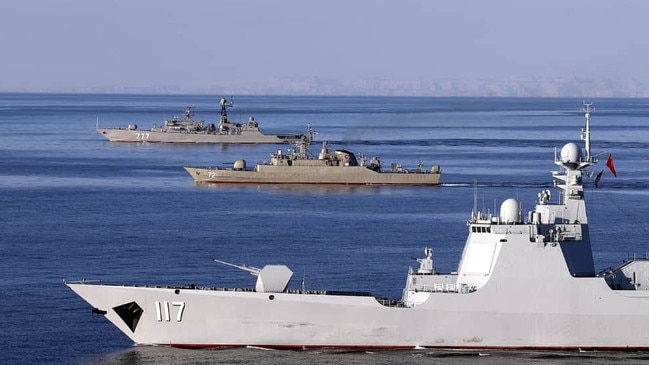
point(76, 206)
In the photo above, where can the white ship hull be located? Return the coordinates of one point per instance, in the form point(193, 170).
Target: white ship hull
point(556, 312)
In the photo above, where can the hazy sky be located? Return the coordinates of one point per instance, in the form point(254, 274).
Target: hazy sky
point(76, 44)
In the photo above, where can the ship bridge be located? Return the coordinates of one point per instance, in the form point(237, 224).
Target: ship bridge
point(553, 224)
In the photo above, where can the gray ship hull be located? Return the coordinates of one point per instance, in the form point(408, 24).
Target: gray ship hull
point(188, 130)
point(244, 137)
point(349, 175)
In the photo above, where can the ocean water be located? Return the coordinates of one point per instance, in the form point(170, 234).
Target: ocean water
point(74, 206)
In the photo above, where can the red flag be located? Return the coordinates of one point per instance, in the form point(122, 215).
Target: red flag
point(610, 165)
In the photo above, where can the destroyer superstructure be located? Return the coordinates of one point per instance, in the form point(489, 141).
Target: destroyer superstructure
point(188, 130)
point(524, 281)
point(330, 167)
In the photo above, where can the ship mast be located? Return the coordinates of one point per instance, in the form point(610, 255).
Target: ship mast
point(224, 110)
point(585, 135)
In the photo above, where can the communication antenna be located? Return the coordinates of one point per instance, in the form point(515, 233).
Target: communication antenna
point(475, 200)
point(585, 134)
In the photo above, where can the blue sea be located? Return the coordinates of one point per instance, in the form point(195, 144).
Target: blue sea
point(74, 206)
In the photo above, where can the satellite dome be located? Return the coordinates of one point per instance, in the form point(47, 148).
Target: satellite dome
point(570, 154)
point(510, 211)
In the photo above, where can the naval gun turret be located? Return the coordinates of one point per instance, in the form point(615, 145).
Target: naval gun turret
point(270, 278)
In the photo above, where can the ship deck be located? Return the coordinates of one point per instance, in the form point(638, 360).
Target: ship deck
point(383, 301)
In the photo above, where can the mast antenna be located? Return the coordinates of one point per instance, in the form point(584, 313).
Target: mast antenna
point(475, 199)
point(585, 134)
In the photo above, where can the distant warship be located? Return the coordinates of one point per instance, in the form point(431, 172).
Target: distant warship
point(337, 167)
point(523, 282)
point(187, 130)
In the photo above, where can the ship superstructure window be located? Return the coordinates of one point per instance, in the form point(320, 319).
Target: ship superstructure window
point(480, 229)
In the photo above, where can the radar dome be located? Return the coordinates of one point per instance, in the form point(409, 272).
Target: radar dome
point(570, 154)
point(239, 164)
point(510, 211)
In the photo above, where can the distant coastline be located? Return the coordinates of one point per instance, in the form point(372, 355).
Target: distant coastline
point(531, 87)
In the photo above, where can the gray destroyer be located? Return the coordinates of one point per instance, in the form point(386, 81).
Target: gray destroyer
point(335, 167)
point(188, 130)
point(523, 282)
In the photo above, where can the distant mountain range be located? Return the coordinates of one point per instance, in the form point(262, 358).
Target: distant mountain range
point(532, 87)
